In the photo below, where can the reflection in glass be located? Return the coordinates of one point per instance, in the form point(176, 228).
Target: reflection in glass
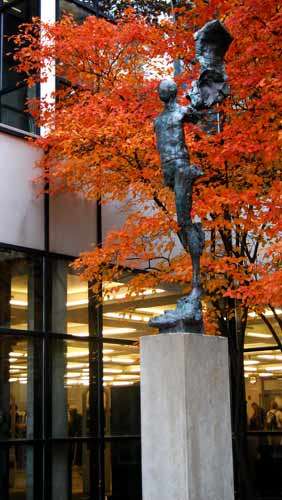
point(18, 478)
point(258, 334)
point(73, 369)
point(263, 377)
point(265, 456)
point(20, 396)
point(126, 317)
point(13, 92)
point(78, 12)
point(121, 381)
point(123, 469)
point(80, 477)
point(20, 291)
point(71, 307)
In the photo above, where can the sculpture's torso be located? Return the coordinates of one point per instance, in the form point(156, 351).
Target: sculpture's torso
point(170, 134)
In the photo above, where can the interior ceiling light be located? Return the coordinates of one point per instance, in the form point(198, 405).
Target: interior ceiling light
point(110, 296)
point(17, 354)
point(113, 370)
point(259, 335)
point(250, 362)
point(266, 313)
point(252, 379)
point(72, 365)
point(122, 382)
point(155, 309)
point(264, 374)
point(78, 354)
point(122, 361)
point(73, 303)
point(126, 316)
point(274, 368)
point(21, 303)
point(122, 295)
point(108, 285)
point(251, 369)
point(107, 330)
point(270, 356)
point(127, 377)
point(73, 382)
point(134, 369)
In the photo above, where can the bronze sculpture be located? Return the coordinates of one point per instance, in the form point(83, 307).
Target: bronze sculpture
point(212, 42)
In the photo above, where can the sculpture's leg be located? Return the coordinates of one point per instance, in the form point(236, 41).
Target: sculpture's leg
point(196, 240)
point(191, 234)
point(183, 201)
point(196, 279)
point(187, 317)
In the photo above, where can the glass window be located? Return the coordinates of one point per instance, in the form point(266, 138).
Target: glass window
point(123, 469)
point(126, 317)
point(80, 9)
point(21, 390)
point(20, 473)
point(74, 388)
point(258, 334)
point(263, 382)
point(20, 291)
point(121, 380)
point(72, 303)
point(13, 93)
point(75, 471)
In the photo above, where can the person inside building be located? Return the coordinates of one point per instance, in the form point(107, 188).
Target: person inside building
point(257, 418)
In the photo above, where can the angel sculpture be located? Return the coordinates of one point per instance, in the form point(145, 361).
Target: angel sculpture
point(212, 42)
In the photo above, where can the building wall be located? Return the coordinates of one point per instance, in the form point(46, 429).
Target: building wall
point(21, 209)
point(72, 224)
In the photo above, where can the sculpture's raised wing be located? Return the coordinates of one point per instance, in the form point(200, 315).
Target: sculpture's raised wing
point(212, 43)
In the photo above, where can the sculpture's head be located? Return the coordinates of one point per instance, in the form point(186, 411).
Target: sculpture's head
point(167, 90)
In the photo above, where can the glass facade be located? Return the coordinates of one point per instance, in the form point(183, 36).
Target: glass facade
point(13, 92)
point(263, 376)
point(70, 385)
point(70, 380)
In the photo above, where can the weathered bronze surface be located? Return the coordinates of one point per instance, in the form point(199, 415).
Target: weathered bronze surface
point(212, 42)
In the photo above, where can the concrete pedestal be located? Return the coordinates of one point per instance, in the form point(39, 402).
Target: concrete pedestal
point(186, 424)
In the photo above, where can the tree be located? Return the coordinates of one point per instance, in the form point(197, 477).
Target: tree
point(102, 145)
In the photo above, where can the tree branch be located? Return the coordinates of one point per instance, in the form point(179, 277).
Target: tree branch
point(279, 320)
point(272, 330)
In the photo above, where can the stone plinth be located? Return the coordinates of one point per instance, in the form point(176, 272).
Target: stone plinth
point(186, 423)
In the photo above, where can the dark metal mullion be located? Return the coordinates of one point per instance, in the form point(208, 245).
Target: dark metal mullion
point(91, 10)
point(47, 386)
point(1, 47)
point(99, 242)
point(35, 251)
point(9, 90)
point(259, 349)
point(64, 336)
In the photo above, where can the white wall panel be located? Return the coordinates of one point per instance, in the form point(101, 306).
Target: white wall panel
point(21, 211)
point(72, 224)
point(113, 217)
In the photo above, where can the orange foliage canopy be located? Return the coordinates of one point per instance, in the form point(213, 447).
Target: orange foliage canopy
point(101, 143)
